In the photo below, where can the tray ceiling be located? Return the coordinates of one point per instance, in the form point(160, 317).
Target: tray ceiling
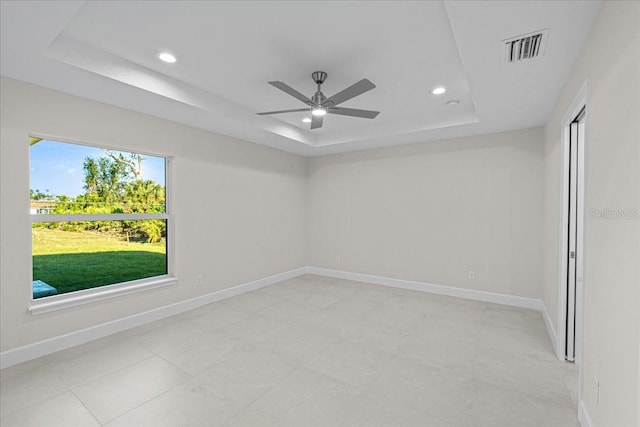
point(228, 51)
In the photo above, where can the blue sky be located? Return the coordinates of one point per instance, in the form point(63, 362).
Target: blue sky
point(57, 167)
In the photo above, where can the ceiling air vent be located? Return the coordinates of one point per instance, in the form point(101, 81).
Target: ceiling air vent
point(527, 46)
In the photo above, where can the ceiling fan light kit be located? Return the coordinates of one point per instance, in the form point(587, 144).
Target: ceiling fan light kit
point(319, 111)
point(320, 105)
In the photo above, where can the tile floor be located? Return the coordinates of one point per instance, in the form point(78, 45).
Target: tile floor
point(311, 351)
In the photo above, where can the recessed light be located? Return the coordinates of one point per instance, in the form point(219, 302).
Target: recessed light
point(307, 120)
point(166, 57)
point(438, 90)
point(319, 111)
point(453, 103)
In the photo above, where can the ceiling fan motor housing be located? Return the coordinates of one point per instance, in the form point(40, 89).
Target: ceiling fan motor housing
point(319, 98)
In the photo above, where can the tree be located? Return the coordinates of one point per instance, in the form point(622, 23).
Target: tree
point(39, 195)
point(133, 163)
point(113, 184)
point(144, 196)
point(104, 179)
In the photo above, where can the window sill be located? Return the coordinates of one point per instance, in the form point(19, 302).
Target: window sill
point(87, 296)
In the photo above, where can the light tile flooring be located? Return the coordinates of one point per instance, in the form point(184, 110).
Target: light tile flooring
point(311, 351)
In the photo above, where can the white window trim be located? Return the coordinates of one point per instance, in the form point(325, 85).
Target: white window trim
point(105, 292)
point(101, 293)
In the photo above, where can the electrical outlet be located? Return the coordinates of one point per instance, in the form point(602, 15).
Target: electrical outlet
point(338, 259)
point(199, 280)
point(472, 275)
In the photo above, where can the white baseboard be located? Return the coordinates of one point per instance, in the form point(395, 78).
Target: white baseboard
point(551, 331)
point(52, 345)
point(583, 415)
point(532, 303)
point(62, 342)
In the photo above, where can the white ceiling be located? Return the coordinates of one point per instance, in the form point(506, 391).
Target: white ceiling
point(228, 51)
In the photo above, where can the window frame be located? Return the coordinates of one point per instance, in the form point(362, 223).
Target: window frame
point(105, 292)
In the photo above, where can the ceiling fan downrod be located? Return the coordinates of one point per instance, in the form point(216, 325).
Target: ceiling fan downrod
point(319, 77)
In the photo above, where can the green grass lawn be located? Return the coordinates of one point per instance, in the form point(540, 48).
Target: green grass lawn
point(70, 261)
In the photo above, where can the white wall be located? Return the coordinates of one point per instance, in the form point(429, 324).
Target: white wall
point(239, 208)
point(431, 212)
point(426, 212)
point(611, 62)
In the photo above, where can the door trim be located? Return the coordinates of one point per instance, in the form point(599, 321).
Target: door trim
point(575, 213)
point(579, 102)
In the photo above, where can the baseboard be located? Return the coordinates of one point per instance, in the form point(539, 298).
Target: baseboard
point(583, 415)
point(62, 342)
point(551, 331)
point(531, 303)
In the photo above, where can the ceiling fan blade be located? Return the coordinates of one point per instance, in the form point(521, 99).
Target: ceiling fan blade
point(316, 122)
point(291, 91)
point(282, 111)
point(354, 112)
point(352, 91)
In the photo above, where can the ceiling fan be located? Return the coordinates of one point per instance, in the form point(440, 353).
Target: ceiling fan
point(320, 105)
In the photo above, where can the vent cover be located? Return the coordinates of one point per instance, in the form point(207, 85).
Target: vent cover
point(527, 46)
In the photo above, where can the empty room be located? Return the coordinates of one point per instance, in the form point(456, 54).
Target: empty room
point(320, 213)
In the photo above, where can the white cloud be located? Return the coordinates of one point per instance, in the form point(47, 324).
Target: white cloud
point(71, 170)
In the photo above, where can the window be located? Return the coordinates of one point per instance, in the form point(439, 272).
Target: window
point(99, 218)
